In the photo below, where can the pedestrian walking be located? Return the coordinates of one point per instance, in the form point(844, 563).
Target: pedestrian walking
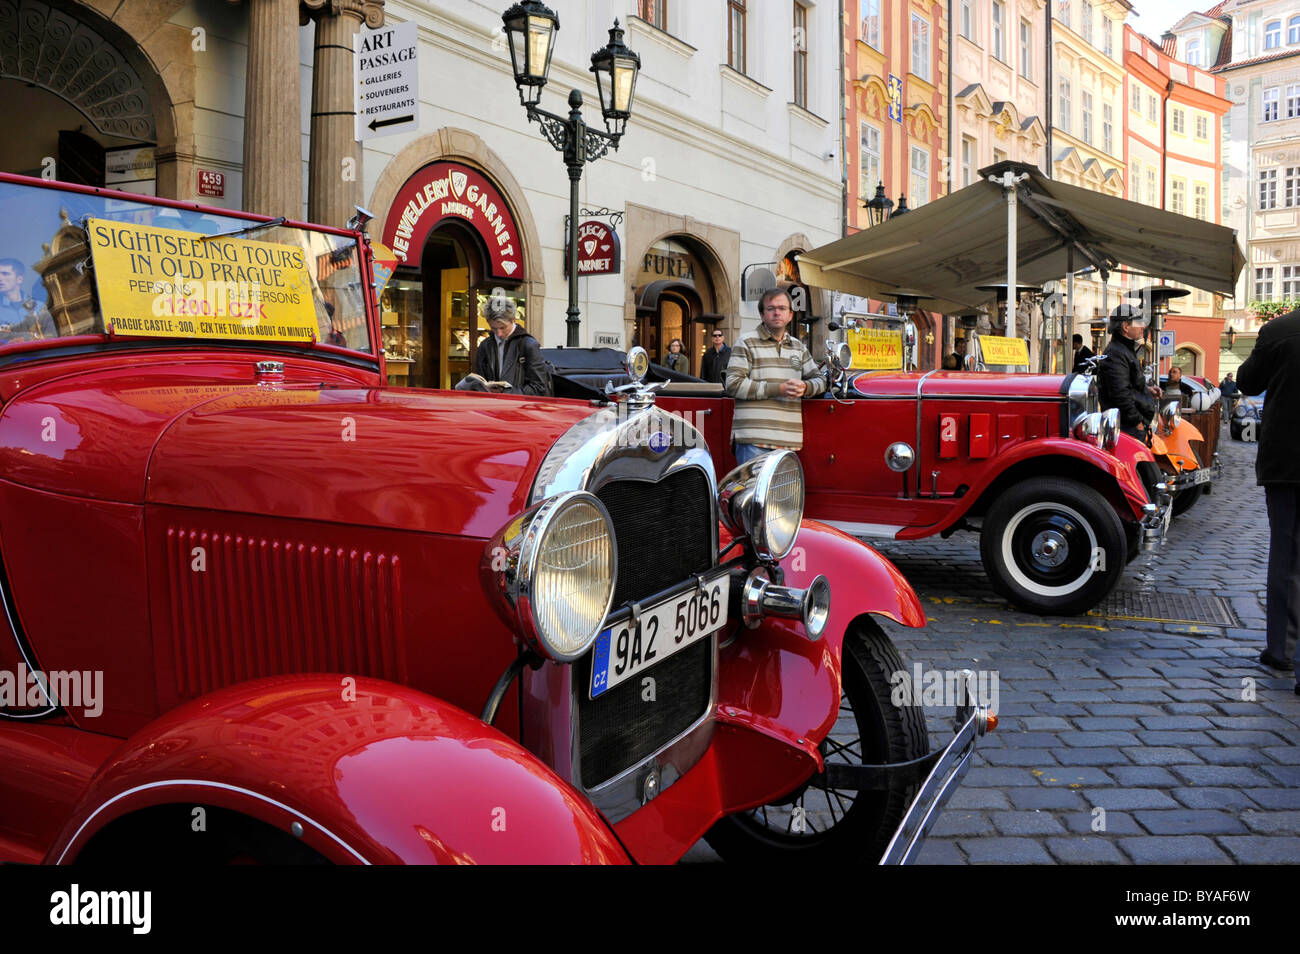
point(1274, 366)
point(1230, 393)
point(769, 374)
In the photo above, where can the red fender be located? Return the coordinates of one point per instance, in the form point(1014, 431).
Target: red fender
point(776, 681)
point(386, 775)
point(778, 697)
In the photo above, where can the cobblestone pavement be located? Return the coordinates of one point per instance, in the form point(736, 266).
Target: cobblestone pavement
point(1188, 746)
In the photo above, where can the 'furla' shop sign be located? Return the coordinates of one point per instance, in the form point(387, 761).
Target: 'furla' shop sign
point(449, 190)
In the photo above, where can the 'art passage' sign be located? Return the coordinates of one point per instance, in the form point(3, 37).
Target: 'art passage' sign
point(165, 283)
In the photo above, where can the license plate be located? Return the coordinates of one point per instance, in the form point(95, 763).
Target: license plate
point(626, 649)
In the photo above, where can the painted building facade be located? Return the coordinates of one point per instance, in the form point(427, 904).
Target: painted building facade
point(731, 157)
point(1173, 142)
point(1087, 131)
point(896, 89)
point(1254, 47)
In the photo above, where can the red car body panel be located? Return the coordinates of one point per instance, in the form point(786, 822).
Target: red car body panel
point(391, 776)
point(778, 698)
point(974, 428)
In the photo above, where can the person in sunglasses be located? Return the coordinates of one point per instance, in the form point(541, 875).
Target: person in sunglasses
point(713, 366)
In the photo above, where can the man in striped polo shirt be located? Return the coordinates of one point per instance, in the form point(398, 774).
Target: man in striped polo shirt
point(770, 372)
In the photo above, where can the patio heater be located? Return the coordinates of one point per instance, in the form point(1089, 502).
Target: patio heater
point(909, 301)
point(1155, 304)
point(1006, 316)
point(969, 322)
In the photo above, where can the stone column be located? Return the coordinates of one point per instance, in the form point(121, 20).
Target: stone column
point(272, 127)
point(334, 171)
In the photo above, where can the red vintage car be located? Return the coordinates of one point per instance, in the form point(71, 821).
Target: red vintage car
point(259, 607)
point(1061, 499)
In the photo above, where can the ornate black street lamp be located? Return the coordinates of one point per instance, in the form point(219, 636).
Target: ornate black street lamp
point(879, 206)
point(530, 28)
point(902, 208)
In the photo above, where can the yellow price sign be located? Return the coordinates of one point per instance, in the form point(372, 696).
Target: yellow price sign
point(875, 349)
point(1005, 351)
point(166, 283)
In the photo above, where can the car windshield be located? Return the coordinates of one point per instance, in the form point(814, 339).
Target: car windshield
point(73, 263)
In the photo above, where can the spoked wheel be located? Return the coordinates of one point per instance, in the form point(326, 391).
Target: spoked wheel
point(819, 823)
point(1052, 545)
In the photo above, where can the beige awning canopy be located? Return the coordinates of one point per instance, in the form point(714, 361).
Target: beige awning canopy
point(950, 245)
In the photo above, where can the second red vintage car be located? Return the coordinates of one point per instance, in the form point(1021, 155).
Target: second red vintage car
point(1061, 499)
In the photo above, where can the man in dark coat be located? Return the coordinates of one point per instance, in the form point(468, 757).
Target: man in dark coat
point(1120, 381)
point(510, 353)
point(1081, 354)
point(1274, 366)
point(713, 366)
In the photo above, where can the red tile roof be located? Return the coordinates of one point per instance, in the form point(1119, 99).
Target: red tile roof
point(1281, 54)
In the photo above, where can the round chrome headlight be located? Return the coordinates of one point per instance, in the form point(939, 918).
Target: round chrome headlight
point(764, 499)
point(554, 567)
point(1169, 414)
point(1087, 428)
point(1110, 429)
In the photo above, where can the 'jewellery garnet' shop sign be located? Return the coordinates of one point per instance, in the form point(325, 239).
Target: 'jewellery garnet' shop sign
point(449, 190)
point(598, 250)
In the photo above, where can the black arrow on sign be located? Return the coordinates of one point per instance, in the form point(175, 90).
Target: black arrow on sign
point(376, 123)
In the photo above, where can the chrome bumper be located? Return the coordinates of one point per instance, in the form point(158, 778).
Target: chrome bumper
point(1194, 478)
point(950, 767)
point(1156, 517)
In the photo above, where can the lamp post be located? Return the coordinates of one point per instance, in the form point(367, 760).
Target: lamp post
point(879, 205)
point(530, 28)
point(902, 207)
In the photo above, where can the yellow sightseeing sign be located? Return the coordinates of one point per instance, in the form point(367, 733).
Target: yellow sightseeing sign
point(165, 283)
point(1012, 352)
point(876, 350)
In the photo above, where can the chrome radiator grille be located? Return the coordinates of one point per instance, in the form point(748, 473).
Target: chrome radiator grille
point(665, 535)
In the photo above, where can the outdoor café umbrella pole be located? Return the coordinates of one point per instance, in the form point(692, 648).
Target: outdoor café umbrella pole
point(1008, 182)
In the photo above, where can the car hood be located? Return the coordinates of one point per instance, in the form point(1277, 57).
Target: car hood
point(974, 384)
point(441, 462)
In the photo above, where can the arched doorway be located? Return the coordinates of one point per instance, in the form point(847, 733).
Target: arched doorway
point(674, 299)
point(457, 245)
point(91, 105)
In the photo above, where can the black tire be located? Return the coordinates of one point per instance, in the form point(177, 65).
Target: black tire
point(1184, 500)
point(1039, 541)
point(841, 826)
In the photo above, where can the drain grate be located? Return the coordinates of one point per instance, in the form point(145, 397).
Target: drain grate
point(1168, 608)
